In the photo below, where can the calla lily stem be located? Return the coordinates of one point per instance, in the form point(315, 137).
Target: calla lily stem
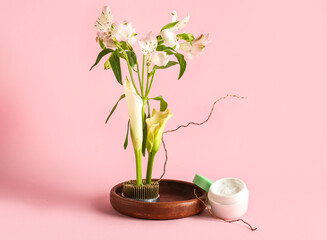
point(138, 157)
point(149, 168)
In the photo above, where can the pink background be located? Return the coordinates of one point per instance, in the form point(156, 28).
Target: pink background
point(58, 159)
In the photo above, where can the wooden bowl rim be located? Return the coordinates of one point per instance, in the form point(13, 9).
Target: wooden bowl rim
point(202, 196)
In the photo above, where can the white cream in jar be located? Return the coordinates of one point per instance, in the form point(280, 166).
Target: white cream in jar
point(228, 198)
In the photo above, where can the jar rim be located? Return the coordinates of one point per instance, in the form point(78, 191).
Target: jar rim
point(216, 191)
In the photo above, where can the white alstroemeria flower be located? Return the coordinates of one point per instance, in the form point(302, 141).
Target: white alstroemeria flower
point(155, 126)
point(106, 40)
point(197, 46)
point(104, 21)
point(134, 105)
point(148, 44)
point(160, 59)
point(169, 38)
point(180, 24)
point(103, 26)
point(174, 17)
point(125, 32)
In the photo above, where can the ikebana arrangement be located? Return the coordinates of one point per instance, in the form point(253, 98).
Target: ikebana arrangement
point(160, 50)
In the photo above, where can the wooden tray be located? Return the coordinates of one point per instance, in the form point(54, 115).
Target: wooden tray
point(177, 200)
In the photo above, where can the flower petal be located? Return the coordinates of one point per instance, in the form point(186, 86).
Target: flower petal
point(168, 37)
point(134, 105)
point(160, 59)
point(155, 125)
point(104, 21)
point(124, 32)
point(148, 44)
point(181, 24)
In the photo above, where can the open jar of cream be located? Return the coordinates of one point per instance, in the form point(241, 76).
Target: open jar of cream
point(228, 197)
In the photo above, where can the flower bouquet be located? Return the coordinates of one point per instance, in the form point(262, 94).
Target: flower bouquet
point(159, 51)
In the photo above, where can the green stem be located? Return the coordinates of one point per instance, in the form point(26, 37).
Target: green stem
point(138, 74)
point(149, 168)
point(138, 157)
point(147, 78)
point(148, 91)
point(129, 69)
point(143, 73)
point(143, 113)
point(148, 106)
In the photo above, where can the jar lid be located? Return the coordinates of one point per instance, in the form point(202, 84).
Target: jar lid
point(202, 182)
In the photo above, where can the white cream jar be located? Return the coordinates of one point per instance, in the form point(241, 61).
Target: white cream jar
point(228, 198)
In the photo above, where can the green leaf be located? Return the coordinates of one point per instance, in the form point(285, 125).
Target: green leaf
point(114, 108)
point(101, 55)
point(163, 48)
point(179, 56)
point(186, 36)
point(163, 103)
point(131, 58)
point(169, 64)
point(125, 45)
point(115, 65)
point(182, 64)
point(169, 25)
point(159, 40)
point(126, 138)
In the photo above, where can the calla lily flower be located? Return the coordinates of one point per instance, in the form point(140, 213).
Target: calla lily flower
point(197, 46)
point(134, 105)
point(155, 126)
point(125, 32)
point(148, 44)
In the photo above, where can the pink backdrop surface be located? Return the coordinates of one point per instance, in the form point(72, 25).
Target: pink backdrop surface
point(58, 160)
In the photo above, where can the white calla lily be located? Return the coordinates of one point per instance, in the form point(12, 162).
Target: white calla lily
point(134, 105)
